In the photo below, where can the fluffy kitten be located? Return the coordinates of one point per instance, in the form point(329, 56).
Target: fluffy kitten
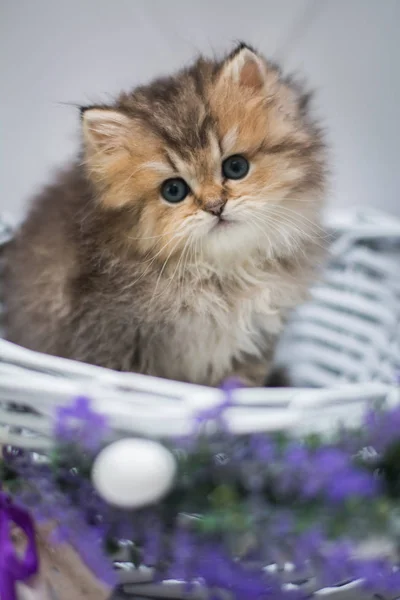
point(189, 227)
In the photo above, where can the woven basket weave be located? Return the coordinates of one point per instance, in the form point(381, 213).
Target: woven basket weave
point(350, 331)
point(342, 350)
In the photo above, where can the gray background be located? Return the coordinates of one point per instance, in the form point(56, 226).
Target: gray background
point(57, 52)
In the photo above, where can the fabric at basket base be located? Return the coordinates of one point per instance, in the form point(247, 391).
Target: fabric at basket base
point(62, 574)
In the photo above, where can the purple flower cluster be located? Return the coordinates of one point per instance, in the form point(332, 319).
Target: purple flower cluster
point(216, 414)
point(79, 424)
point(281, 495)
point(326, 472)
point(382, 428)
point(218, 571)
point(209, 564)
point(378, 574)
point(41, 495)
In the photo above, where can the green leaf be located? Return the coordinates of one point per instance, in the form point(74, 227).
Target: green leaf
point(224, 496)
point(7, 474)
point(313, 441)
point(390, 469)
point(111, 546)
point(135, 556)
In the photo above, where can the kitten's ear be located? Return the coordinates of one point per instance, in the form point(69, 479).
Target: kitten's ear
point(104, 129)
point(245, 68)
point(106, 135)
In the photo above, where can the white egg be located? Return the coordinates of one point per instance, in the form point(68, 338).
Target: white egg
point(133, 472)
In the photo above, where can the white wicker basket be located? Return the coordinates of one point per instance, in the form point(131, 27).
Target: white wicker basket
point(345, 341)
point(350, 330)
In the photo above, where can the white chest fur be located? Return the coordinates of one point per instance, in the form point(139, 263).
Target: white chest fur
point(213, 342)
point(215, 326)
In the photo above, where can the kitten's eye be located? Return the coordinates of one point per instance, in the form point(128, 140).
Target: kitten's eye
point(174, 190)
point(235, 167)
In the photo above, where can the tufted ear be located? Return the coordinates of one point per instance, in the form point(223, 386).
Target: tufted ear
point(245, 68)
point(104, 128)
point(117, 149)
point(107, 135)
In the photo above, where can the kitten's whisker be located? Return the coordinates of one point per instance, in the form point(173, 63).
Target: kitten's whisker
point(292, 239)
point(298, 217)
point(298, 220)
point(177, 268)
point(180, 229)
point(154, 237)
point(298, 214)
point(318, 231)
point(162, 271)
point(301, 233)
point(173, 274)
point(199, 241)
point(283, 219)
point(271, 233)
point(181, 273)
point(288, 220)
point(153, 259)
point(199, 258)
point(285, 234)
point(256, 225)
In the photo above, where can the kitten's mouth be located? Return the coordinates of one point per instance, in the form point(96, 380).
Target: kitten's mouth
point(222, 223)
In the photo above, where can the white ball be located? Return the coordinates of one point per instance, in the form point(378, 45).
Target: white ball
point(133, 472)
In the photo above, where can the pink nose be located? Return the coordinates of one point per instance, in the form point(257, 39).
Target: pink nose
point(215, 208)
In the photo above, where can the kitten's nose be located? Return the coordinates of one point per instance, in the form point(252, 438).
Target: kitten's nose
point(215, 207)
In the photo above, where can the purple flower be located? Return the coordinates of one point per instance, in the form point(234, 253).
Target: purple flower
point(351, 483)
point(152, 546)
point(382, 428)
point(340, 479)
point(219, 571)
point(294, 471)
point(214, 567)
point(327, 472)
point(282, 524)
point(73, 527)
point(88, 541)
point(216, 413)
point(10, 454)
point(378, 575)
point(307, 546)
point(78, 423)
point(262, 448)
point(231, 384)
point(337, 565)
point(183, 556)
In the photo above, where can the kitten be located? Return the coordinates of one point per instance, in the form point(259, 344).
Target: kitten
point(185, 232)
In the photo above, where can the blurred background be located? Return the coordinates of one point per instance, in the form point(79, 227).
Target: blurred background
point(57, 53)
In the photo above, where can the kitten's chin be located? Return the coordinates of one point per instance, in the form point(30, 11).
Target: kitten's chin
point(223, 224)
point(232, 240)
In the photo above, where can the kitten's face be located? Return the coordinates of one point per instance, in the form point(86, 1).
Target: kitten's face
point(218, 161)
